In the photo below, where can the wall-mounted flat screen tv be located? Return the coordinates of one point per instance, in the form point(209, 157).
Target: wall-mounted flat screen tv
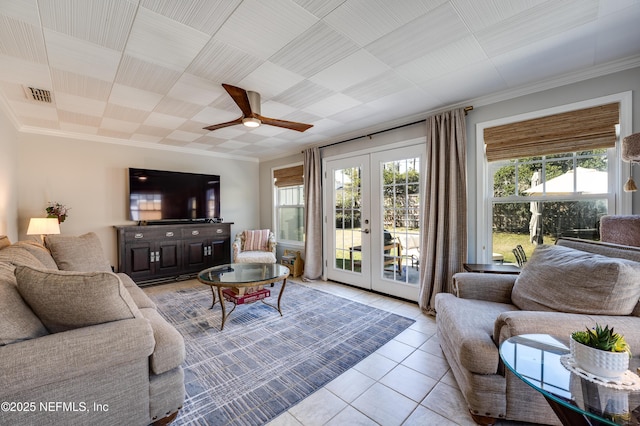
point(158, 195)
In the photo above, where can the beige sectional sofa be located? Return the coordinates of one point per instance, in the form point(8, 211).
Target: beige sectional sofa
point(79, 344)
point(563, 288)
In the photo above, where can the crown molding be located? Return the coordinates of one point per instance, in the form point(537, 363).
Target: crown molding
point(131, 143)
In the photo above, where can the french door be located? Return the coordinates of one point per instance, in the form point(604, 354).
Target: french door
point(372, 210)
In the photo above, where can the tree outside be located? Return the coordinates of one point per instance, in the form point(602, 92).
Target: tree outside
point(561, 214)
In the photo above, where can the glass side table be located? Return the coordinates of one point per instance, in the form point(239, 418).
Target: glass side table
point(535, 359)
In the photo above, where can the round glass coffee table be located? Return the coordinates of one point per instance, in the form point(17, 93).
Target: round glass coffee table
point(243, 283)
point(576, 400)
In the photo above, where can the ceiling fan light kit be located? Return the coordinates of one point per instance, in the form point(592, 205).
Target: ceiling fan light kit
point(249, 104)
point(251, 122)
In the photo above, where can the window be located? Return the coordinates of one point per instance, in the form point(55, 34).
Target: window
point(539, 199)
point(289, 204)
point(541, 179)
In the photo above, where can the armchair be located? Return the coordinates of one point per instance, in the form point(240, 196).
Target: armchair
point(254, 246)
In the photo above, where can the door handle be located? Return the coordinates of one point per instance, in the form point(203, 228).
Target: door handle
point(366, 230)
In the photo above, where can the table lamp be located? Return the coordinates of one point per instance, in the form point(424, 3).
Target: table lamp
point(43, 226)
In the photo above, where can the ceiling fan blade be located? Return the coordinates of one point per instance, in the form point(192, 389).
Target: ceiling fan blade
point(300, 127)
point(240, 97)
point(227, 124)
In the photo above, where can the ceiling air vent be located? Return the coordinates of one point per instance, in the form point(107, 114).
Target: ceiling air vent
point(40, 95)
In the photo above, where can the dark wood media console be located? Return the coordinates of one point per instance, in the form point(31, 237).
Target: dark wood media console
point(155, 253)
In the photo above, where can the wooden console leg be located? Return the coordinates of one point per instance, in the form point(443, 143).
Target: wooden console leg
point(165, 420)
point(483, 420)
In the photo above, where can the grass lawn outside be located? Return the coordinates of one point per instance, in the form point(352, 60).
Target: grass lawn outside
point(504, 243)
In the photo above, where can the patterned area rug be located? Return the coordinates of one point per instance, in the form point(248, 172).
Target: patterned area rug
point(262, 364)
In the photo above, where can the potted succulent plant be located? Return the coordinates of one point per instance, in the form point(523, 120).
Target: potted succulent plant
point(600, 351)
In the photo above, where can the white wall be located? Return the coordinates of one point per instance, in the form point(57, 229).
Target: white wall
point(91, 178)
point(8, 184)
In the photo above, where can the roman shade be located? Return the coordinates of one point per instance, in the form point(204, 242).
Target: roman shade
point(290, 176)
point(579, 130)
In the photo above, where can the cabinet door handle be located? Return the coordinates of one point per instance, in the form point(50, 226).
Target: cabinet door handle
point(138, 235)
point(219, 231)
point(195, 232)
point(169, 234)
point(152, 257)
point(157, 256)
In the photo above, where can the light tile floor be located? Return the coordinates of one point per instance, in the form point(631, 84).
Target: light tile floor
point(405, 382)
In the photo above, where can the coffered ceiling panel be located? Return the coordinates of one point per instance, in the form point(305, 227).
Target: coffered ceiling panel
point(81, 57)
point(424, 34)
point(80, 85)
point(542, 21)
point(103, 22)
point(203, 15)
point(151, 71)
point(21, 40)
point(316, 49)
point(262, 28)
point(158, 39)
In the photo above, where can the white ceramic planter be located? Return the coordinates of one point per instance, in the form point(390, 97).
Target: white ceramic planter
point(597, 362)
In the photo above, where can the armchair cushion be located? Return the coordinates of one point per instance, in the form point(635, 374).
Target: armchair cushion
point(78, 253)
point(65, 300)
point(256, 240)
point(563, 279)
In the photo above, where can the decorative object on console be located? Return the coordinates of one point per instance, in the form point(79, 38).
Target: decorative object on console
point(43, 226)
point(293, 260)
point(631, 154)
point(57, 210)
point(600, 351)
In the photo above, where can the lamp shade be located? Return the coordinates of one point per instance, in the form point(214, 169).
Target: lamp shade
point(43, 226)
point(631, 148)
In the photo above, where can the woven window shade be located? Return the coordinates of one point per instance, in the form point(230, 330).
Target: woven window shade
point(291, 176)
point(580, 130)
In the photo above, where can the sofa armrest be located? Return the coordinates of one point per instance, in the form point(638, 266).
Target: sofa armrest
point(489, 287)
point(169, 351)
point(61, 356)
point(561, 325)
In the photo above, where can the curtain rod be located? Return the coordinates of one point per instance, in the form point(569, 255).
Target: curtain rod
point(466, 110)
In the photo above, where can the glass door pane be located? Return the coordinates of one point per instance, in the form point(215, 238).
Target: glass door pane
point(401, 219)
point(347, 224)
point(348, 216)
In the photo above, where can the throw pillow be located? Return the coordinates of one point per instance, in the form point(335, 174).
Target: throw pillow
point(4, 241)
point(82, 253)
point(563, 279)
point(256, 240)
point(17, 321)
point(39, 251)
point(65, 300)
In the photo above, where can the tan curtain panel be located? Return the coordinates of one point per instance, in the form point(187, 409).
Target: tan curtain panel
point(291, 176)
point(580, 130)
point(444, 233)
point(313, 215)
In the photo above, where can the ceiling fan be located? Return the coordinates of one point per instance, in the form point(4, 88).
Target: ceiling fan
point(249, 104)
